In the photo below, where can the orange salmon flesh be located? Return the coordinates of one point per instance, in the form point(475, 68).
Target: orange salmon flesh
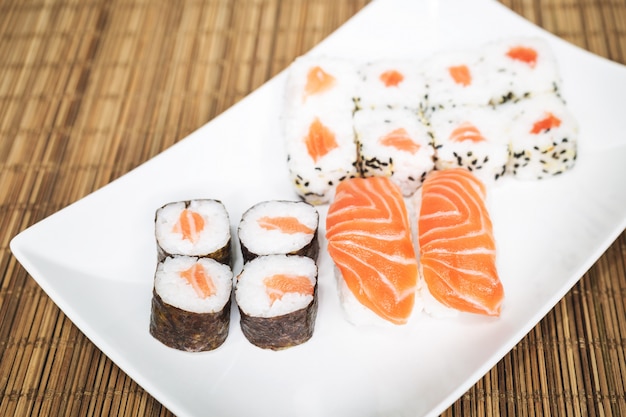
point(278, 285)
point(400, 139)
point(320, 140)
point(391, 78)
point(202, 283)
point(523, 54)
point(457, 246)
point(369, 239)
point(318, 81)
point(190, 224)
point(461, 75)
point(466, 131)
point(284, 224)
point(545, 124)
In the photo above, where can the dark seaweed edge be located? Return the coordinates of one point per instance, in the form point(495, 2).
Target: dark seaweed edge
point(281, 332)
point(186, 330)
point(310, 250)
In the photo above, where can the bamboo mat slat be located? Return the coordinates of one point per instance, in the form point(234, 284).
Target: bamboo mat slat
point(91, 89)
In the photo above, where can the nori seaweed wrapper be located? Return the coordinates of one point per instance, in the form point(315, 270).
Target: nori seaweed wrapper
point(311, 250)
point(222, 255)
point(186, 330)
point(281, 332)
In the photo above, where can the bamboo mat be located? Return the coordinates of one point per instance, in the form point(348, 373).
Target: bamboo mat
point(89, 89)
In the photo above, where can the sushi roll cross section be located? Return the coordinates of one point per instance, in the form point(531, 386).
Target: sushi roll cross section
point(194, 228)
point(277, 300)
point(394, 144)
point(279, 227)
point(191, 303)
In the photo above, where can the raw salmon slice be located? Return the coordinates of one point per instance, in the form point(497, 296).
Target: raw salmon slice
point(278, 285)
point(545, 124)
point(286, 224)
point(523, 54)
point(190, 224)
point(457, 246)
point(318, 81)
point(369, 240)
point(391, 78)
point(461, 75)
point(320, 140)
point(466, 131)
point(400, 139)
point(201, 282)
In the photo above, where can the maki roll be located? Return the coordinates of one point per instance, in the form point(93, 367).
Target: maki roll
point(394, 144)
point(457, 78)
point(191, 303)
point(543, 138)
point(470, 137)
point(519, 68)
point(193, 228)
point(279, 227)
point(318, 126)
point(277, 299)
point(391, 84)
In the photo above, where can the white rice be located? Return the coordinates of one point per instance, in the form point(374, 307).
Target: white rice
point(261, 241)
point(486, 159)
point(339, 97)
point(175, 290)
point(407, 169)
point(214, 236)
point(444, 91)
point(409, 93)
point(250, 291)
point(513, 79)
point(549, 152)
point(314, 180)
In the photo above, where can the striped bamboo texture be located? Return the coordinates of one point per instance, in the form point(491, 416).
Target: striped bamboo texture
point(89, 89)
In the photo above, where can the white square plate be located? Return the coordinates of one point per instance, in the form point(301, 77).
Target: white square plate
point(96, 258)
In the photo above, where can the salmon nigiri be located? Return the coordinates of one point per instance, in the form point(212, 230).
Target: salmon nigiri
point(369, 240)
point(457, 246)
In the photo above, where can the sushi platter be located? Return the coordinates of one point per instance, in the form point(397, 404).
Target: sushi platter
point(97, 257)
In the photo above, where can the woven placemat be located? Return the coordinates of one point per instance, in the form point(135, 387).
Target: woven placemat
point(91, 89)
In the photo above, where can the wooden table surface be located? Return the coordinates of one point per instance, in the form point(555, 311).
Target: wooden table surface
point(91, 89)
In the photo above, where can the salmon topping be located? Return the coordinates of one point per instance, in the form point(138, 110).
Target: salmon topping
point(278, 285)
point(523, 54)
point(461, 75)
point(400, 140)
point(190, 224)
point(320, 140)
point(369, 240)
point(318, 81)
point(466, 131)
point(545, 124)
point(391, 78)
point(285, 224)
point(201, 282)
point(457, 244)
